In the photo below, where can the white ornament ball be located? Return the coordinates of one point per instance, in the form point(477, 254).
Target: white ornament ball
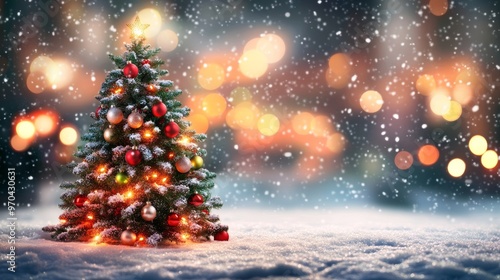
point(148, 212)
point(114, 115)
point(183, 165)
point(128, 237)
point(135, 120)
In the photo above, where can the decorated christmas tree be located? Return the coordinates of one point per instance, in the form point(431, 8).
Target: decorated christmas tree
point(141, 177)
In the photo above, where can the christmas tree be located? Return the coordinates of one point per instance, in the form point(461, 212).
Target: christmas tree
point(141, 178)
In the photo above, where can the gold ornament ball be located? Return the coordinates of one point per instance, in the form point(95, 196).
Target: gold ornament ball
point(197, 162)
point(114, 115)
point(183, 165)
point(148, 212)
point(110, 135)
point(128, 237)
point(135, 120)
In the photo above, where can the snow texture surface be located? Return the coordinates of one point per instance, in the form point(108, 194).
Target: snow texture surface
point(285, 244)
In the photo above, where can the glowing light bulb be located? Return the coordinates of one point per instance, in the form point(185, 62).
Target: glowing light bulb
point(90, 217)
point(129, 194)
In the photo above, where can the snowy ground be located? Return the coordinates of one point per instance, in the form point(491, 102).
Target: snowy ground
point(307, 244)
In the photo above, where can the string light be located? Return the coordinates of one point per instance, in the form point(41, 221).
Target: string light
point(63, 221)
point(90, 217)
point(129, 194)
point(184, 236)
point(118, 90)
point(97, 238)
point(102, 169)
point(183, 221)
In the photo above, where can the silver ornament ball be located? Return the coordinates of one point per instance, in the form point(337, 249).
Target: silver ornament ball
point(183, 165)
point(135, 120)
point(128, 237)
point(114, 115)
point(148, 212)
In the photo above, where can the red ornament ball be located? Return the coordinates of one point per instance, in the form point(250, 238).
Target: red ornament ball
point(173, 219)
point(80, 200)
point(97, 111)
point(130, 70)
point(205, 211)
point(221, 236)
point(145, 61)
point(159, 109)
point(172, 129)
point(133, 157)
point(196, 200)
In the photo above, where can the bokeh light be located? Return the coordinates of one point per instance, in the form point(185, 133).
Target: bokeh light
point(272, 46)
point(211, 76)
point(462, 93)
point(68, 135)
point(321, 126)
point(478, 145)
point(489, 159)
point(253, 64)
point(243, 116)
point(59, 74)
point(456, 167)
point(403, 160)
point(371, 101)
point(425, 84)
point(214, 105)
point(199, 122)
point(41, 64)
point(36, 82)
point(25, 129)
point(428, 155)
point(19, 144)
point(454, 112)
point(240, 94)
point(301, 123)
point(335, 143)
point(339, 70)
point(268, 124)
point(153, 18)
point(440, 103)
point(167, 40)
point(438, 7)
point(45, 124)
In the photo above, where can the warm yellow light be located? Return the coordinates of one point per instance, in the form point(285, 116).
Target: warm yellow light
point(456, 167)
point(44, 124)
point(141, 238)
point(253, 64)
point(41, 63)
point(62, 221)
point(425, 84)
point(301, 123)
point(214, 105)
point(153, 21)
point(268, 124)
point(478, 145)
point(167, 40)
point(371, 101)
point(118, 90)
point(129, 194)
point(272, 46)
point(454, 112)
point(36, 82)
point(462, 93)
point(489, 159)
point(155, 175)
point(102, 169)
point(59, 74)
point(339, 71)
point(97, 238)
point(321, 126)
point(184, 236)
point(184, 140)
point(147, 134)
point(137, 28)
point(90, 217)
point(164, 180)
point(199, 122)
point(68, 136)
point(440, 103)
point(25, 129)
point(243, 116)
point(211, 76)
point(183, 221)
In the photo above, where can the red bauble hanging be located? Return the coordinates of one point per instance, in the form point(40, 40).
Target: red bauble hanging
point(130, 70)
point(80, 200)
point(159, 109)
point(133, 157)
point(145, 61)
point(173, 219)
point(221, 236)
point(97, 111)
point(196, 200)
point(172, 129)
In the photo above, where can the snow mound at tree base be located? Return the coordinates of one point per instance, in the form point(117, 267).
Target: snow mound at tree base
point(285, 244)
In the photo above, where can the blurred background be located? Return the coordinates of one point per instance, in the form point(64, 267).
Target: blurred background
point(305, 103)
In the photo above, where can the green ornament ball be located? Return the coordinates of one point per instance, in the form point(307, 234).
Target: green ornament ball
point(121, 178)
point(197, 162)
